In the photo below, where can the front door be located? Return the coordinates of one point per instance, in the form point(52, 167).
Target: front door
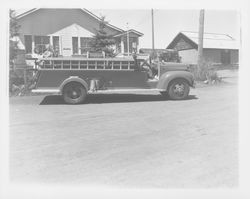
point(66, 45)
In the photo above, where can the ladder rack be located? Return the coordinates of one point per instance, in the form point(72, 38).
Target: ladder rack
point(87, 64)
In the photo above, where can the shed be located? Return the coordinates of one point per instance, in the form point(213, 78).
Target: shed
point(217, 48)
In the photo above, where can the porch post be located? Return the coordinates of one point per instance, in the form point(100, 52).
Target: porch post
point(79, 45)
point(61, 46)
point(137, 44)
point(33, 44)
point(122, 46)
point(50, 40)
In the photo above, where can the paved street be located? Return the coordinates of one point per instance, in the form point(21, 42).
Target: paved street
point(128, 140)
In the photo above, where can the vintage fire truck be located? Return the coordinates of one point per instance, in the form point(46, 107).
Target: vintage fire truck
point(75, 77)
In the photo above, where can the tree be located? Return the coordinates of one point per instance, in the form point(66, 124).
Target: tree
point(14, 76)
point(14, 28)
point(102, 41)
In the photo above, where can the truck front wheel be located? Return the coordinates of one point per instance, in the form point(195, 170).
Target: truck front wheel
point(74, 93)
point(178, 89)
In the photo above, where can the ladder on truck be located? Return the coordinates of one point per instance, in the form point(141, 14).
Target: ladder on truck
point(73, 63)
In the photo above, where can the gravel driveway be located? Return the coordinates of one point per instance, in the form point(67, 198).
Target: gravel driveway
point(128, 140)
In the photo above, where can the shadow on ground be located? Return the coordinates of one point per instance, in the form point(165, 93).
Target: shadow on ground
point(110, 98)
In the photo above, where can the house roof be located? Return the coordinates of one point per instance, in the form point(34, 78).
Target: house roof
point(129, 32)
point(25, 13)
point(210, 40)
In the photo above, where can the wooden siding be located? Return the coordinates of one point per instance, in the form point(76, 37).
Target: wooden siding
point(49, 21)
point(182, 45)
point(234, 56)
point(210, 55)
point(189, 56)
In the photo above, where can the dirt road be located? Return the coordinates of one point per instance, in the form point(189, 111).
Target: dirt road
point(128, 140)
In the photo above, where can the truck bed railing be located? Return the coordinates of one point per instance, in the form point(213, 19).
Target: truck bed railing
point(74, 63)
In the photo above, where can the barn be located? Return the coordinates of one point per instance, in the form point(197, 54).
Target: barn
point(217, 48)
point(69, 31)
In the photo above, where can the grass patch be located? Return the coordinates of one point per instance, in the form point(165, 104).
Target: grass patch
point(206, 73)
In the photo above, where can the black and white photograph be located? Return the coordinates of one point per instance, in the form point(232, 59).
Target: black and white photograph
point(133, 98)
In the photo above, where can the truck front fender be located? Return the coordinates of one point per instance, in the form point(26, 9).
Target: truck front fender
point(73, 79)
point(167, 77)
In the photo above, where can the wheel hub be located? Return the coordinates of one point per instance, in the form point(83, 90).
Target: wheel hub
point(74, 93)
point(179, 89)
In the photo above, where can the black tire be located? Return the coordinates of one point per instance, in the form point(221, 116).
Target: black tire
point(178, 89)
point(74, 93)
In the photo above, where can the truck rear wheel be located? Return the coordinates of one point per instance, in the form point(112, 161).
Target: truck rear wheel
point(74, 93)
point(178, 89)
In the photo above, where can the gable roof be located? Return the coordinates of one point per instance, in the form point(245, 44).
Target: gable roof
point(131, 31)
point(210, 40)
point(21, 15)
point(24, 12)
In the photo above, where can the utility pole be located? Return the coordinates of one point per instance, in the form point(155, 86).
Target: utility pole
point(200, 43)
point(153, 38)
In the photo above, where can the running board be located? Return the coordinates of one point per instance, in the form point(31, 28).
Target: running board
point(126, 90)
point(55, 91)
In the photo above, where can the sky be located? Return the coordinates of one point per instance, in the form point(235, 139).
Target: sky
point(168, 23)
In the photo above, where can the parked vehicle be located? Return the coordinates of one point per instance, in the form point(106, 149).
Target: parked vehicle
point(75, 77)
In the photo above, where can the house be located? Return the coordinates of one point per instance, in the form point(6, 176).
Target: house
point(217, 48)
point(69, 31)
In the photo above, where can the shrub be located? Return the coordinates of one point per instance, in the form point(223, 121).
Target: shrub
point(206, 72)
point(17, 84)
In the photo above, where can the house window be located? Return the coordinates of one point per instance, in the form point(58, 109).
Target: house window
point(132, 44)
point(85, 44)
point(75, 45)
point(56, 45)
point(28, 43)
point(40, 43)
